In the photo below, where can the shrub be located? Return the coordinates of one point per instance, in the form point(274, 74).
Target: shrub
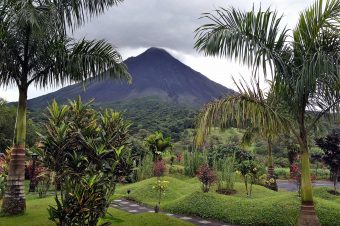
point(86, 151)
point(86, 203)
point(159, 168)
point(145, 168)
point(176, 169)
point(282, 173)
point(226, 176)
point(207, 176)
point(44, 181)
point(249, 169)
point(192, 161)
point(4, 161)
point(179, 157)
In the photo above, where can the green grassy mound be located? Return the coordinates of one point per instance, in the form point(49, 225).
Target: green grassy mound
point(275, 210)
point(265, 207)
point(37, 215)
point(143, 192)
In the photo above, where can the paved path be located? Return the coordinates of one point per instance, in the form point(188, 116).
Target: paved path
point(291, 186)
point(134, 208)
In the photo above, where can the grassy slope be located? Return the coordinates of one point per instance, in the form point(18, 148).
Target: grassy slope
point(264, 208)
point(37, 215)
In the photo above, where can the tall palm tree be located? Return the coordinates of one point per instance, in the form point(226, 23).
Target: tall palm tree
point(251, 108)
point(36, 50)
point(304, 67)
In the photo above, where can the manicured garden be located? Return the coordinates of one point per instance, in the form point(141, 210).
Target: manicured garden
point(265, 207)
point(84, 156)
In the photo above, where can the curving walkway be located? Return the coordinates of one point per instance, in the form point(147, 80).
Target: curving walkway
point(135, 208)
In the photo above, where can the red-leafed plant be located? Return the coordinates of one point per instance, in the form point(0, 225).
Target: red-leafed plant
point(34, 175)
point(296, 176)
point(159, 168)
point(207, 176)
point(179, 157)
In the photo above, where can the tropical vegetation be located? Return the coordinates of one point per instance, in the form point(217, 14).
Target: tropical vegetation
point(36, 50)
point(304, 73)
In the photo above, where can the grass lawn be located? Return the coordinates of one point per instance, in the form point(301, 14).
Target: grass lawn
point(37, 215)
point(265, 207)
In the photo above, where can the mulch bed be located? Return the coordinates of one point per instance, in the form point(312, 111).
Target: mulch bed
point(226, 191)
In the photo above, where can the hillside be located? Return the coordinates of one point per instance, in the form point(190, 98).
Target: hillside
point(155, 74)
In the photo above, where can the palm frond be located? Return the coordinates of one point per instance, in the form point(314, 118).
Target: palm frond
point(74, 13)
point(250, 107)
point(254, 38)
point(79, 61)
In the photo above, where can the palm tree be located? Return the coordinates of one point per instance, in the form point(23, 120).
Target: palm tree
point(304, 67)
point(157, 144)
point(36, 50)
point(251, 108)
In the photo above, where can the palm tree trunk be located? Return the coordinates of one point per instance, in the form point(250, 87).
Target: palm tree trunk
point(270, 160)
point(14, 201)
point(335, 179)
point(308, 215)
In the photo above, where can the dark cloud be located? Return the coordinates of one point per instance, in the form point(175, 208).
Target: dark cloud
point(166, 23)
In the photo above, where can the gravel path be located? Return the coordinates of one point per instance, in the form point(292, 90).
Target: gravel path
point(135, 208)
point(291, 186)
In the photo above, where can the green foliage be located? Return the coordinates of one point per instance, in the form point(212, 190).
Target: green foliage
point(85, 149)
point(150, 114)
point(305, 71)
point(36, 209)
point(7, 123)
point(84, 203)
point(250, 170)
point(221, 152)
point(227, 174)
point(331, 147)
point(158, 144)
point(192, 161)
point(176, 169)
point(265, 207)
point(2, 185)
point(45, 180)
point(145, 168)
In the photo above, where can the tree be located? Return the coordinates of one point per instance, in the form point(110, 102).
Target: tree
point(304, 70)
point(254, 96)
point(331, 147)
point(36, 50)
point(252, 109)
point(157, 144)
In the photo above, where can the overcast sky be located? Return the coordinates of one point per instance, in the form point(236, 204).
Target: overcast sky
point(137, 25)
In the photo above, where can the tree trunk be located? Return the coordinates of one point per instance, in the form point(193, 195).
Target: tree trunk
point(270, 160)
point(308, 215)
point(14, 201)
point(335, 179)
